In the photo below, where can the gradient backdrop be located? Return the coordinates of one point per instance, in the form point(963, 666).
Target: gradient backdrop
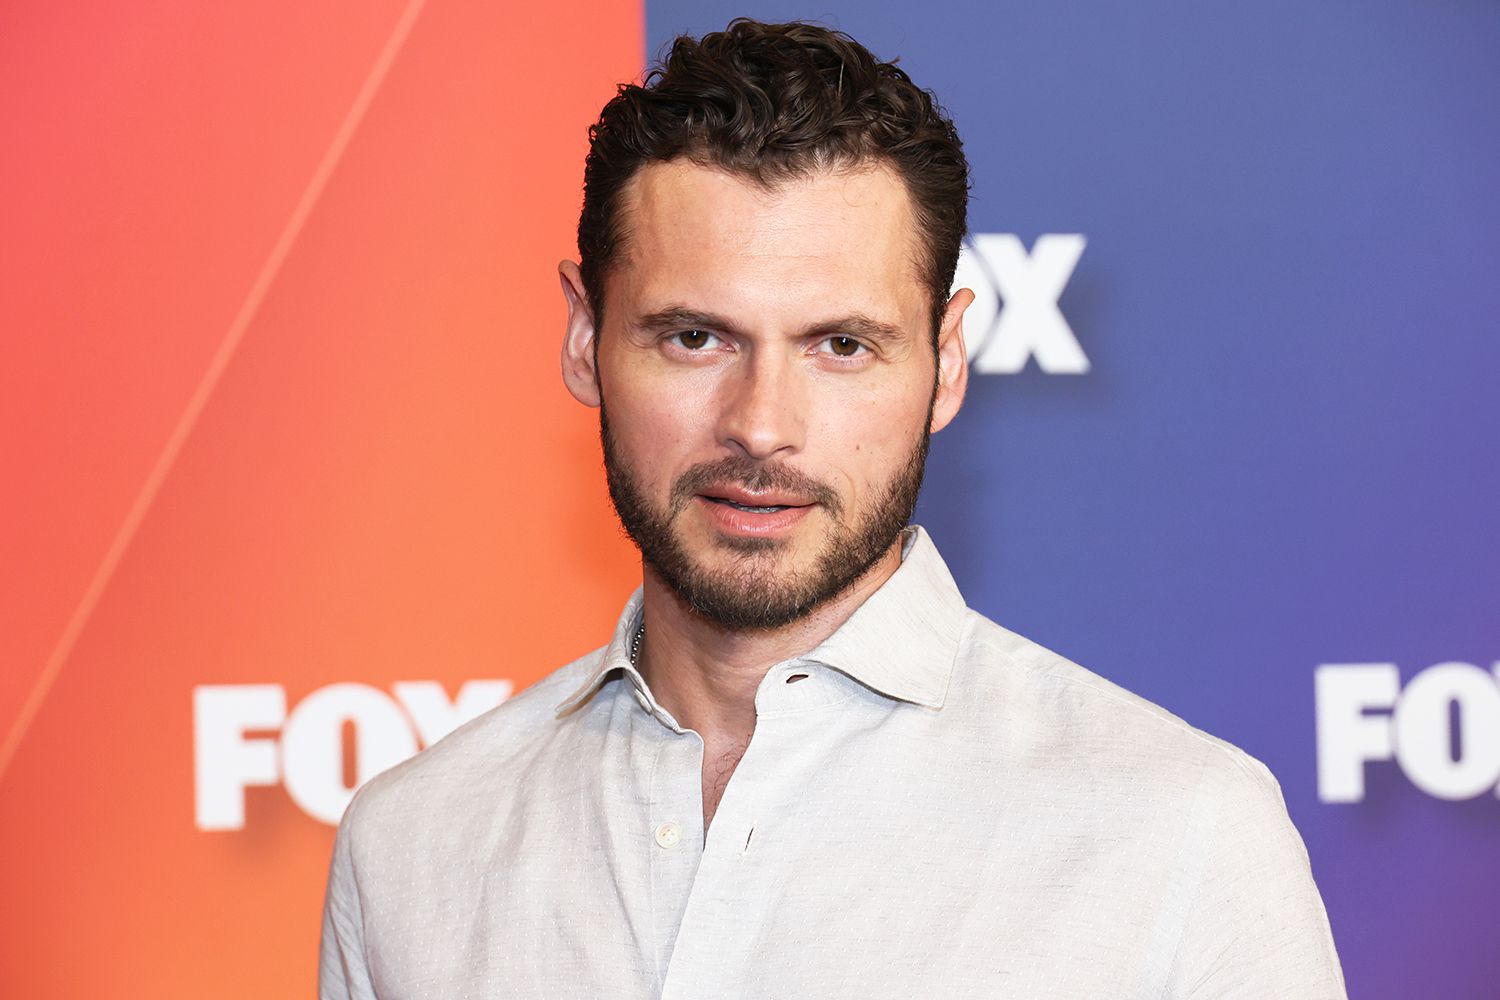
point(283, 437)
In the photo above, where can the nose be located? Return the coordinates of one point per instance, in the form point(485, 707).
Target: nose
point(763, 406)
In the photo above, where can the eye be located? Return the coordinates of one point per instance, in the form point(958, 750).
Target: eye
point(695, 340)
point(844, 347)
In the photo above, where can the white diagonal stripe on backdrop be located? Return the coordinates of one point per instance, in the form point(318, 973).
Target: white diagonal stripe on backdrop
point(210, 380)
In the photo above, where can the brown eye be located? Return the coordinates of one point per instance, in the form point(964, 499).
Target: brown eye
point(844, 347)
point(694, 339)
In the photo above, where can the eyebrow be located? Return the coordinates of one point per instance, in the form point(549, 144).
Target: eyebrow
point(856, 325)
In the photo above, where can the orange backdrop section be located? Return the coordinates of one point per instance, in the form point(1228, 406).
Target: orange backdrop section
point(357, 208)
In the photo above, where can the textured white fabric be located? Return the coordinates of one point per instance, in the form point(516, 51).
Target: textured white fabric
point(941, 808)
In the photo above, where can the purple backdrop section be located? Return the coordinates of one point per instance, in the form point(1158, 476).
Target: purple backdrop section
point(1284, 454)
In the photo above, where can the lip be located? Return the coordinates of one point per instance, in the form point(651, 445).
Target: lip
point(750, 524)
point(770, 498)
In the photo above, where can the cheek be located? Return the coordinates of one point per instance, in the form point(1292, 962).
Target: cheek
point(660, 434)
point(866, 438)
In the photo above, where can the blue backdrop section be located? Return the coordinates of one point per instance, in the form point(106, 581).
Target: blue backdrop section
point(1284, 453)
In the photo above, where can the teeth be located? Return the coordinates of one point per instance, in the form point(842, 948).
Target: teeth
point(753, 510)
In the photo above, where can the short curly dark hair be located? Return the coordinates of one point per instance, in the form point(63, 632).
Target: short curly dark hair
point(772, 102)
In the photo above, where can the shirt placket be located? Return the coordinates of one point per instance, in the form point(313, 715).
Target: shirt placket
point(673, 831)
point(727, 901)
point(720, 911)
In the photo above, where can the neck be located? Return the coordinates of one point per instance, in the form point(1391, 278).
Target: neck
point(707, 675)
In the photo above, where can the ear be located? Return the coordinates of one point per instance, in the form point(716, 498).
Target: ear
point(953, 361)
point(579, 370)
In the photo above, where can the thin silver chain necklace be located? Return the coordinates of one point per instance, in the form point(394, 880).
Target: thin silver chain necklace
point(635, 644)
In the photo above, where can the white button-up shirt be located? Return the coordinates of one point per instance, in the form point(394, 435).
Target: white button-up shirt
point(931, 806)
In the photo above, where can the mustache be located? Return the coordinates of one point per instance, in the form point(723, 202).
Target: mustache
point(757, 477)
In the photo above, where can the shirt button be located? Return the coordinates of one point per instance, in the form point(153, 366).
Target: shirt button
point(669, 835)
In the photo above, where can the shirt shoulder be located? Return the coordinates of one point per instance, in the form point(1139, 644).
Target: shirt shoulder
point(1233, 877)
point(1091, 723)
point(476, 762)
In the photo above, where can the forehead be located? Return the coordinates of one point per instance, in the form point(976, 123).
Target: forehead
point(830, 240)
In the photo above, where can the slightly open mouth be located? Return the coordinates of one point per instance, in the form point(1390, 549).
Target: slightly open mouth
point(745, 507)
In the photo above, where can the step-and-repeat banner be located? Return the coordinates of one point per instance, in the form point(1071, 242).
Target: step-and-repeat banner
point(290, 487)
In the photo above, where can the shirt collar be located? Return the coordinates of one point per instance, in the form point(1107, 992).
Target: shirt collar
point(902, 641)
point(616, 657)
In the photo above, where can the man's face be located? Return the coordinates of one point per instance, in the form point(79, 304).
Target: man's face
point(766, 382)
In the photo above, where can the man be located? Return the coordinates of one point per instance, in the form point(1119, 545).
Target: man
point(802, 767)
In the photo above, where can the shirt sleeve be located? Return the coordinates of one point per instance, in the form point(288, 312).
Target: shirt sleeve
point(1257, 929)
point(342, 972)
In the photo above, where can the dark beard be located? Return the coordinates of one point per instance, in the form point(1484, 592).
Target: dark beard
point(747, 595)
